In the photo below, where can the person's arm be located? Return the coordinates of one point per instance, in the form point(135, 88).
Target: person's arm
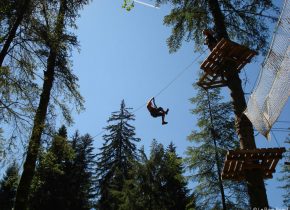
point(150, 103)
point(153, 100)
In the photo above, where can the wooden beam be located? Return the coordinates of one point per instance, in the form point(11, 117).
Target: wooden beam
point(239, 161)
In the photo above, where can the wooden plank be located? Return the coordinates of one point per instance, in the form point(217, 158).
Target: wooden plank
point(226, 167)
point(226, 56)
point(237, 162)
point(230, 50)
point(231, 166)
point(257, 151)
point(273, 165)
point(211, 81)
point(250, 157)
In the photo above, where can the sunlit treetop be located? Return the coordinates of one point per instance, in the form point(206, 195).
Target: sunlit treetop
point(247, 22)
point(128, 4)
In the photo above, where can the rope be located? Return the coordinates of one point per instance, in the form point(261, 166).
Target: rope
point(213, 134)
point(173, 80)
point(275, 138)
point(178, 75)
point(163, 89)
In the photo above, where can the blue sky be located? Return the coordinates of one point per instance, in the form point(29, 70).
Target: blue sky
point(124, 56)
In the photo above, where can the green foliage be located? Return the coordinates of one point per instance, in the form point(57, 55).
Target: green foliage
point(17, 82)
point(286, 176)
point(158, 179)
point(8, 187)
point(2, 153)
point(128, 4)
point(54, 37)
point(52, 41)
point(81, 174)
point(48, 188)
point(7, 16)
point(201, 157)
point(245, 21)
point(116, 157)
point(64, 177)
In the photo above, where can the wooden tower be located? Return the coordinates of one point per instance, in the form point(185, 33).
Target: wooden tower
point(226, 56)
point(229, 56)
point(239, 161)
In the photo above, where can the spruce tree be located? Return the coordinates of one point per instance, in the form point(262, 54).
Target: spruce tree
point(50, 183)
point(203, 159)
point(17, 79)
point(80, 173)
point(2, 153)
point(286, 176)
point(53, 44)
point(8, 186)
point(244, 22)
point(175, 184)
point(11, 16)
point(159, 179)
point(65, 175)
point(149, 178)
point(241, 21)
point(116, 157)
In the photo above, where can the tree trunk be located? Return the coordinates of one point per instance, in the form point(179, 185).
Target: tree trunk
point(255, 182)
point(11, 35)
point(218, 165)
point(23, 190)
point(34, 143)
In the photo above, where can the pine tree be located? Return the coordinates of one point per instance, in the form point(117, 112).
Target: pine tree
point(174, 181)
point(149, 178)
point(243, 22)
point(202, 158)
point(8, 186)
point(159, 179)
point(54, 41)
point(17, 81)
point(50, 183)
point(1, 146)
point(81, 189)
point(116, 157)
point(286, 176)
point(65, 175)
point(12, 15)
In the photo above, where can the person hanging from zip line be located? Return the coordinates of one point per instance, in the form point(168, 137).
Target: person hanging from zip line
point(210, 40)
point(156, 111)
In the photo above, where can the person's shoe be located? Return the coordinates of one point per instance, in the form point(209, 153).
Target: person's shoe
point(164, 123)
point(167, 111)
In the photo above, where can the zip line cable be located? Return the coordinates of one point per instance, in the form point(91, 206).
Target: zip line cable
point(172, 81)
point(178, 75)
point(165, 87)
point(283, 121)
point(218, 164)
point(275, 138)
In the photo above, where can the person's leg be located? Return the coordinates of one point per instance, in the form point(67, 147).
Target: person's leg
point(166, 112)
point(162, 113)
point(163, 118)
point(160, 110)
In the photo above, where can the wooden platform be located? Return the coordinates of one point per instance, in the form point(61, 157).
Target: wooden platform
point(238, 162)
point(226, 56)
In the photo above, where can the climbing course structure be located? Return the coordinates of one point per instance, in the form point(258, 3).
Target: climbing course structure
point(239, 161)
point(226, 56)
point(221, 68)
point(273, 88)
